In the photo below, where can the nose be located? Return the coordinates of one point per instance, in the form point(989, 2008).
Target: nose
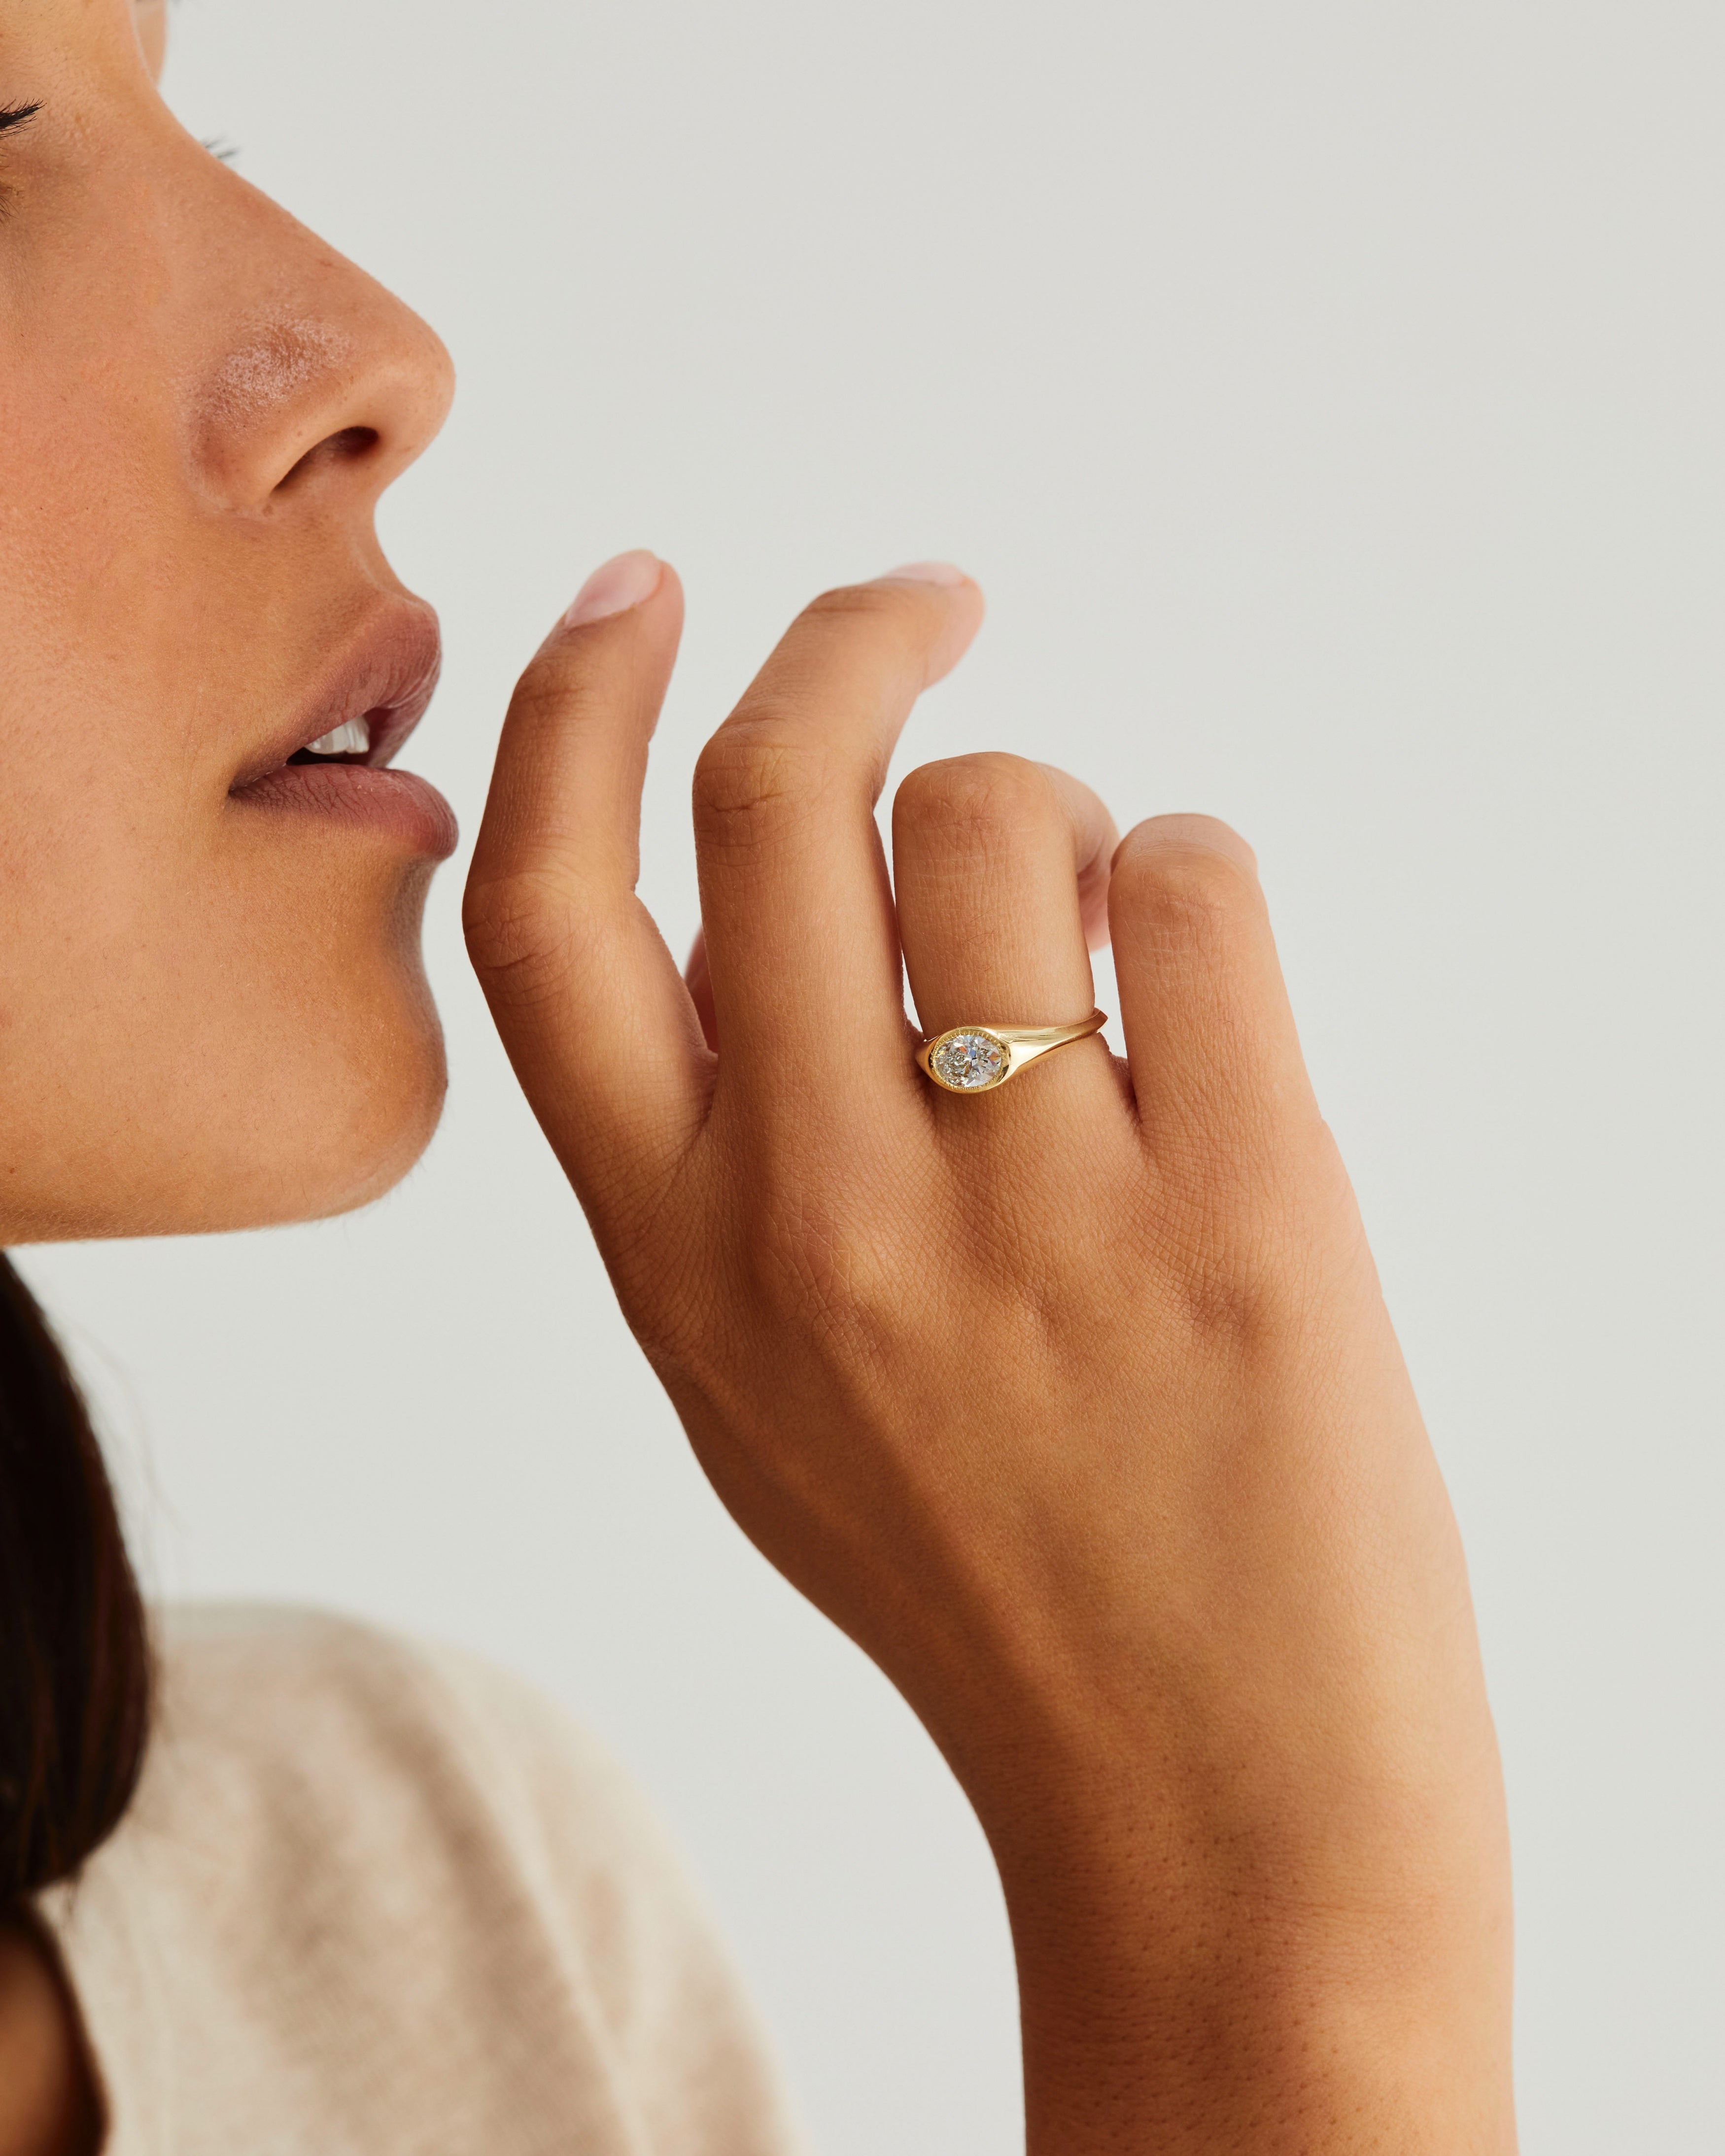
point(311, 383)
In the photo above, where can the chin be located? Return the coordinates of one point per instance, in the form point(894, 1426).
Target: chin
point(372, 1156)
point(346, 1131)
point(271, 1110)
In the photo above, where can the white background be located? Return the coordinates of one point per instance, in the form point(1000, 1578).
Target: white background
point(1330, 400)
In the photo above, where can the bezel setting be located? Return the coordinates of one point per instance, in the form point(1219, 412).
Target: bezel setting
point(968, 1033)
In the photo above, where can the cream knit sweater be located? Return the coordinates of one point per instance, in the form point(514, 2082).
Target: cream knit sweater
point(376, 1899)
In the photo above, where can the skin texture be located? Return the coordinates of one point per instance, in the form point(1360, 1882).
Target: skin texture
point(212, 1011)
point(1076, 1404)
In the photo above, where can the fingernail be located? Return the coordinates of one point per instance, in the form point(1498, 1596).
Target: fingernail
point(924, 572)
point(614, 587)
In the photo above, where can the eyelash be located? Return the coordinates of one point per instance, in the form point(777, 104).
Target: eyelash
point(15, 115)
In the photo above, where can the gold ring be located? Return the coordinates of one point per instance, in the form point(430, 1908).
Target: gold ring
point(976, 1059)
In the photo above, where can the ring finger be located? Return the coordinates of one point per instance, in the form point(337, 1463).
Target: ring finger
point(1000, 870)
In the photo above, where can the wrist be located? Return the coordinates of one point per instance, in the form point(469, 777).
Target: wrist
point(1197, 1969)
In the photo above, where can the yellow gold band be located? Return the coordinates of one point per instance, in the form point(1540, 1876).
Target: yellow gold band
point(979, 1059)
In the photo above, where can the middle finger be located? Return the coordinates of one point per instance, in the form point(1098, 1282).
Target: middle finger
point(801, 945)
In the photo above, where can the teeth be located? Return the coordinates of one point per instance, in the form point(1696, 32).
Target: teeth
point(354, 738)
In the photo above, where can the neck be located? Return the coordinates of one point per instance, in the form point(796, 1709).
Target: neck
point(48, 2105)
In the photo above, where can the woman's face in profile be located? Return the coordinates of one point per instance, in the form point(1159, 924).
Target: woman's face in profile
point(212, 1009)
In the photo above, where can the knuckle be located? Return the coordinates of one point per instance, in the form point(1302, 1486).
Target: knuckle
point(551, 685)
point(1253, 1207)
point(987, 795)
point(889, 606)
point(1243, 1286)
point(544, 694)
point(1181, 894)
point(839, 1288)
point(754, 780)
point(824, 1255)
point(521, 935)
point(1227, 1301)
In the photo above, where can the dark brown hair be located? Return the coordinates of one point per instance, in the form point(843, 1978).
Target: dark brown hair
point(74, 1659)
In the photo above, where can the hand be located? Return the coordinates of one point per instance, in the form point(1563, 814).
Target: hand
point(1076, 1404)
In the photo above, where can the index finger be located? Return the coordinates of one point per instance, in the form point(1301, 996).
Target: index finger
point(587, 998)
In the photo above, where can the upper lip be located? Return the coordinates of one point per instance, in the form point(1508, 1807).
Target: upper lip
point(386, 674)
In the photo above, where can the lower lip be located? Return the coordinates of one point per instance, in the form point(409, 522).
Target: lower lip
point(399, 804)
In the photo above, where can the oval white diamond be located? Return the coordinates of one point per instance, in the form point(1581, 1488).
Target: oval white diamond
point(969, 1060)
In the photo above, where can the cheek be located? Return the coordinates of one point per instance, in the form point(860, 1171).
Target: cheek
point(208, 1035)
